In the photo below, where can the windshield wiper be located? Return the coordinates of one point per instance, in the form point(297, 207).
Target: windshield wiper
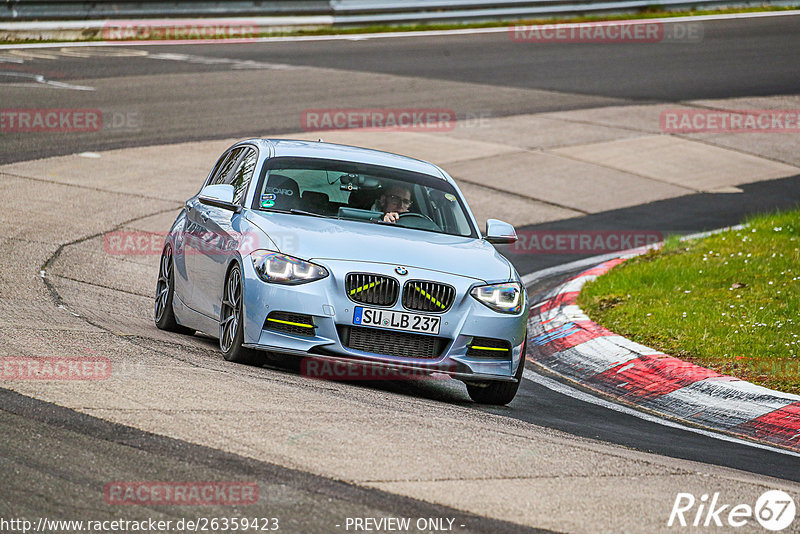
point(297, 212)
point(311, 214)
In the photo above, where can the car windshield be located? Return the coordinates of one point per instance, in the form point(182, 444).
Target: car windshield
point(361, 192)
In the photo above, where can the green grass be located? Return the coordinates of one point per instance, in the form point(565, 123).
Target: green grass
point(730, 302)
point(648, 13)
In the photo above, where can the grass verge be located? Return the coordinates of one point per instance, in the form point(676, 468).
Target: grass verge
point(729, 302)
point(650, 13)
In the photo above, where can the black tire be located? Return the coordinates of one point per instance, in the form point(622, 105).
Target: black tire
point(498, 393)
point(163, 315)
point(231, 325)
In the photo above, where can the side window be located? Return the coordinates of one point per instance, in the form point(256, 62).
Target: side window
point(225, 168)
point(216, 168)
point(240, 179)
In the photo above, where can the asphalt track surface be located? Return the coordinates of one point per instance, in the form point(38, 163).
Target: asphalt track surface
point(302, 502)
point(193, 101)
point(194, 98)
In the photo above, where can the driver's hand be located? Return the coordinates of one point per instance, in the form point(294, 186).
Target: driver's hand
point(391, 217)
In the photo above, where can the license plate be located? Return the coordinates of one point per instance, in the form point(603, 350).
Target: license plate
point(394, 320)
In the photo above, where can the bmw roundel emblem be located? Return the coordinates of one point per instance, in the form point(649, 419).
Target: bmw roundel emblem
point(402, 271)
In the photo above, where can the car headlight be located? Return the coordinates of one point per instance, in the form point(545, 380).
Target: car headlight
point(278, 268)
point(504, 298)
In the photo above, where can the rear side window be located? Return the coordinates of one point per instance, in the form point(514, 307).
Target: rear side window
point(224, 168)
point(216, 168)
point(240, 178)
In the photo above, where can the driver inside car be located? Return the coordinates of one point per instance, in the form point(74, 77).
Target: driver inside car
point(393, 202)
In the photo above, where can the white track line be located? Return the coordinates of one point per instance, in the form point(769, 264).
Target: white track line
point(38, 79)
point(531, 278)
point(389, 35)
point(564, 389)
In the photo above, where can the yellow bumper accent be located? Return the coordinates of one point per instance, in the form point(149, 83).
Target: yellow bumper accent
point(291, 323)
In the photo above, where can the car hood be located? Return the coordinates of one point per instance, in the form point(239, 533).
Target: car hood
point(313, 238)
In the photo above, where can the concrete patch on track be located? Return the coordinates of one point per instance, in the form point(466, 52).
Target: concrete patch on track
point(438, 147)
point(679, 162)
point(777, 146)
point(575, 185)
point(180, 387)
point(542, 131)
point(145, 173)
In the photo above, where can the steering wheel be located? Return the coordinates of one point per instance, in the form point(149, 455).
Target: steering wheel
point(415, 214)
point(419, 221)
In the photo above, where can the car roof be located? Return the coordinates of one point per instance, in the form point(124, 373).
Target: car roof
point(318, 149)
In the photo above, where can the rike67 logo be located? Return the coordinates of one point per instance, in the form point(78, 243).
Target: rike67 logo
point(774, 510)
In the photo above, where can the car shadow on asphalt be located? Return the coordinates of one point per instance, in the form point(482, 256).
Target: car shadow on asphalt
point(436, 387)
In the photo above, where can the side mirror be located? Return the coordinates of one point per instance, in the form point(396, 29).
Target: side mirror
point(219, 196)
point(499, 232)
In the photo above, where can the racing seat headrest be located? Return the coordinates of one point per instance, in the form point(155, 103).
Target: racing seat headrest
point(316, 202)
point(286, 191)
point(363, 198)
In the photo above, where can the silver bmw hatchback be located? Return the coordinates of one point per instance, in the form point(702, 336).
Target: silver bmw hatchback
point(344, 254)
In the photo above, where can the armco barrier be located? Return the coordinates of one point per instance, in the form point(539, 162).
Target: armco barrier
point(341, 12)
point(105, 9)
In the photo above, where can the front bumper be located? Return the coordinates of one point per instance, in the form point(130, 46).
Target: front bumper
point(325, 301)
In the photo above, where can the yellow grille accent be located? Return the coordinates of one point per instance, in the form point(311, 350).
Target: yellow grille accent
point(362, 288)
point(430, 298)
